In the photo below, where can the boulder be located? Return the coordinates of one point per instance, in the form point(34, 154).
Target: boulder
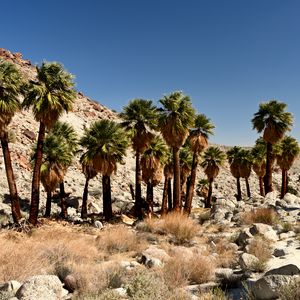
point(279, 252)
point(265, 230)
point(289, 269)
point(243, 237)
point(41, 287)
point(266, 287)
point(70, 283)
point(248, 261)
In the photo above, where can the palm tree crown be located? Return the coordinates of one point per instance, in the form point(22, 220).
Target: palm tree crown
point(106, 143)
point(177, 116)
point(213, 159)
point(287, 151)
point(273, 120)
point(203, 127)
point(10, 88)
point(140, 117)
point(51, 95)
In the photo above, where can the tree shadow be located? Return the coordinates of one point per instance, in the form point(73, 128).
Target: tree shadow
point(24, 202)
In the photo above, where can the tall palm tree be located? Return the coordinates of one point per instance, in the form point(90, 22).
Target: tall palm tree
point(213, 159)
point(49, 97)
point(198, 140)
point(259, 162)
point(152, 162)
point(10, 90)
point(176, 117)
point(106, 143)
point(288, 150)
point(233, 156)
point(245, 167)
point(167, 191)
point(89, 172)
point(274, 122)
point(56, 156)
point(68, 136)
point(140, 117)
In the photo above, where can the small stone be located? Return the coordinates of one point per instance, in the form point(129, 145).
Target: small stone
point(98, 224)
point(279, 252)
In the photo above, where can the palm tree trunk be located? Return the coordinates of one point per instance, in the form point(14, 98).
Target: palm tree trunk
point(268, 176)
point(209, 196)
point(107, 208)
point(238, 187)
point(176, 188)
point(283, 183)
point(248, 188)
point(36, 178)
point(63, 206)
point(261, 186)
point(170, 202)
point(14, 198)
point(164, 204)
point(84, 199)
point(48, 205)
point(62, 189)
point(150, 197)
point(138, 187)
point(190, 191)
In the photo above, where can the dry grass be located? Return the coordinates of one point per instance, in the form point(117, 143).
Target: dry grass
point(181, 270)
point(227, 256)
point(290, 291)
point(260, 247)
point(181, 227)
point(119, 239)
point(260, 215)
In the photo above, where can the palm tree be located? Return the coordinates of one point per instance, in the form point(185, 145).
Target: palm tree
point(177, 116)
point(152, 162)
point(288, 150)
point(273, 121)
point(67, 134)
point(259, 162)
point(10, 89)
point(245, 167)
point(233, 156)
point(140, 118)
point(167, 191)
point(49, 97)
point(56, 156)
point(106, 143)
point(212, 160)
point(89, 172)
point(198, 141)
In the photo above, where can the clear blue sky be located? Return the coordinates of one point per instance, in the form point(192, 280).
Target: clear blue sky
point(227, 55)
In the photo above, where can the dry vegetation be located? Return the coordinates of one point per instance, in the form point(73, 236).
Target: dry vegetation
point(260, 247)
point(260, 215)
point(182, 228)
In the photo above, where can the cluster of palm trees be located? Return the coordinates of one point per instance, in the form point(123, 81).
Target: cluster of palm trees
point(169, 141)
point(274, 146)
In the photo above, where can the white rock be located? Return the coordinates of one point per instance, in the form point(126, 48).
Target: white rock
point(248, 261)
point(41, 287)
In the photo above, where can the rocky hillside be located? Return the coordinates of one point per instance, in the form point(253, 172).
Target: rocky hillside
point(25, 128)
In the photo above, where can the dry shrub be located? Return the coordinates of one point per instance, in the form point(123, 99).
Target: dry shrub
point(227, 256)
point(214, 294)
point(45, 251)
point(179, 225)
point(118, 240)
point(260, 247)
point(180, 270)
point(290, 291)
point(260, 215)
point(147, 286)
